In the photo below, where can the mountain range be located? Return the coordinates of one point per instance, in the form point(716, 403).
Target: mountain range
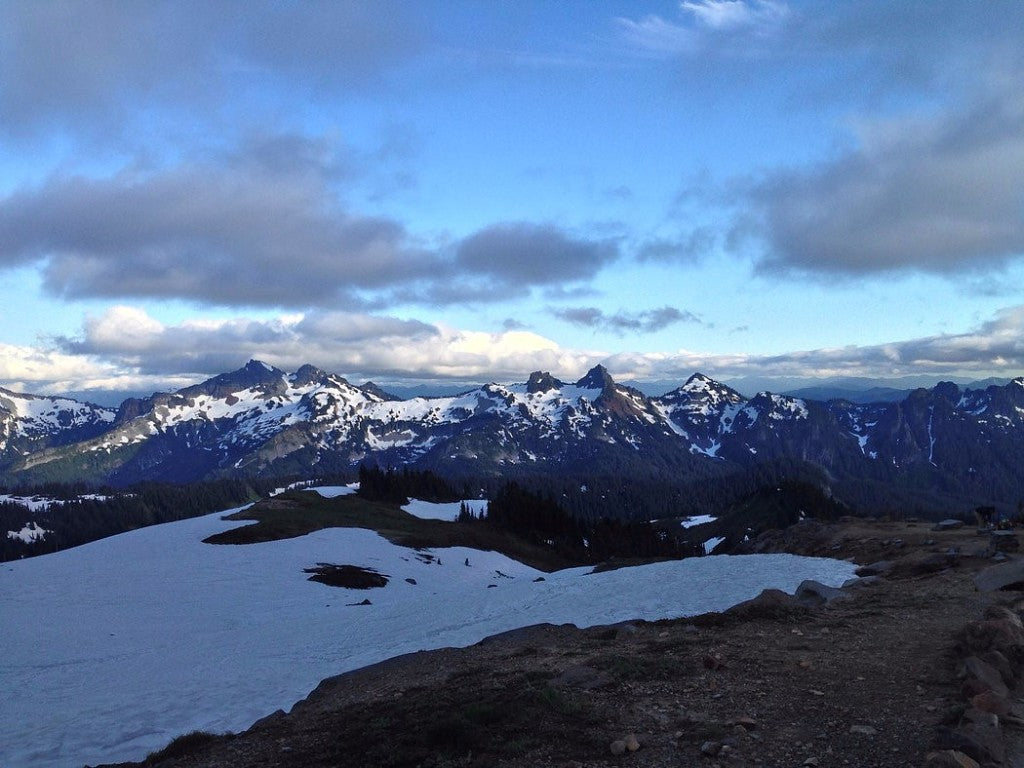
point(943, 447)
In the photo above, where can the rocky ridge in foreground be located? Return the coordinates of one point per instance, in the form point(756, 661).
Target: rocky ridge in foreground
point(902, 668)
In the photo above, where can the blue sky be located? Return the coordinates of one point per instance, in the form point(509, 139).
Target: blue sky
point(765, 191)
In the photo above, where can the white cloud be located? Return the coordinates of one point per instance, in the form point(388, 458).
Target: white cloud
point(705, 24)
point(382, 348)
point(728, 14)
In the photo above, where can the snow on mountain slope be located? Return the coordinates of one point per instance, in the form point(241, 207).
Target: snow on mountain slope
point(113, 648)
point(448, 511)
point(34, 417)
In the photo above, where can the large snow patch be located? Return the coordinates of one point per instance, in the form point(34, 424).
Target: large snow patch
point(112, 649)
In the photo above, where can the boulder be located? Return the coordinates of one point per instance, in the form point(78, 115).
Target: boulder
point(998, 660)
point(983, 743)
point(771, 603)
point(992, 703)
point(987, 675)
point(875, 569)
point(812, 592)
point(950, 758)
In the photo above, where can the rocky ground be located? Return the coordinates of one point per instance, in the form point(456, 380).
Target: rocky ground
point(913, 666)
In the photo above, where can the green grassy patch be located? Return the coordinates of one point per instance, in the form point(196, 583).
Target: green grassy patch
point(297, 513)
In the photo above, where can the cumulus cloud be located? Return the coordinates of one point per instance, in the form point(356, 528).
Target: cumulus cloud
point(525, 254)
point(941, 195)
point(245, 229)
point(126, 349)
point(31, 369)
point(937, 190)
point(262, 225)
point(646, 321)
point(359, 345)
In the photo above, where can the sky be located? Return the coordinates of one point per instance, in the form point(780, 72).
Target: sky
point(438, 193)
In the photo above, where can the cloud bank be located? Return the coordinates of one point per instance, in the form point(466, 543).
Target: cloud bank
point(127, 349)
point(941, 194)
point(265, 225)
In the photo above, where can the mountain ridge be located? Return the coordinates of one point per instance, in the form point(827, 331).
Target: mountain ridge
point(951, 443)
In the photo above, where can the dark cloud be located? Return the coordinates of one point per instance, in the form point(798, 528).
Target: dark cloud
point(74, 63)
point(868, 49)
point(250, 229)
point(940, 195)
point(591, 317)
point(521, 254)
point(647, 321)
point(262, 225)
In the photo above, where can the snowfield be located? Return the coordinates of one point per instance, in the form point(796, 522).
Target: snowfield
point(112, 649)
point(447, 511)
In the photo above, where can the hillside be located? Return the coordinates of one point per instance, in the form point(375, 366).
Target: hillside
point(870, 679)
point(117, 646)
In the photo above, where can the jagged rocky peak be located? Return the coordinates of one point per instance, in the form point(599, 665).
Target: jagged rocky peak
point(373, 389)
point(597, 378)
point(306, 375)
point(253, 375)
point(702, 387)
point(542, 381)
point(947, 390)
point(698, 382)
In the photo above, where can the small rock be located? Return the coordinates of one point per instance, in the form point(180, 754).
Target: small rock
point(875, 569)
point(747, 722)
point(618, 747)
point(865, 730)
point(991, 702)
point(539, 578)
point(713, 662)
point(711, 748)
point(815, 692)
point(812, 762)
point(950, 524)
point(632, 745)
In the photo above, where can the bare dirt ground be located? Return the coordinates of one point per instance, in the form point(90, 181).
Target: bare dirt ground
point(866, 680)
